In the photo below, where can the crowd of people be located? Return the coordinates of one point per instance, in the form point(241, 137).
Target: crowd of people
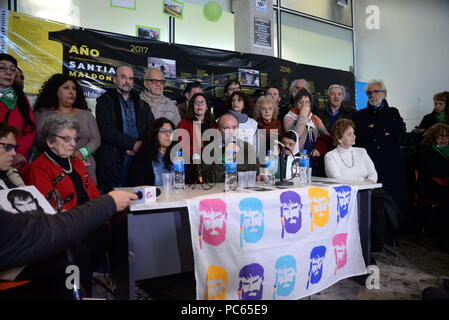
point(59, 144)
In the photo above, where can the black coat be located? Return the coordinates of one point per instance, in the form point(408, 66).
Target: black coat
point(432, 164)
point(25, 239)
point(114, 142)
point(345, 113)
point(428, 120)
point(383, 149)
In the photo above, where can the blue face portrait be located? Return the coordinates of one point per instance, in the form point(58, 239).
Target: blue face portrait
point(343, 200)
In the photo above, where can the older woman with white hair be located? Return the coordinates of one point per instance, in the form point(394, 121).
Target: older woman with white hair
point(335, 109)
point(58, 168)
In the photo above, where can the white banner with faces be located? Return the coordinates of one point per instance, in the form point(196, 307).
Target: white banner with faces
point(280, 244)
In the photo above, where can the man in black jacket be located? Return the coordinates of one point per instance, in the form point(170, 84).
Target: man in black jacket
point(32, 238)
point(378, 127)
point(122, 122)
point(335, 109)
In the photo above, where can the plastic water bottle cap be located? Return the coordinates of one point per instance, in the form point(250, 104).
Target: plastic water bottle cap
point(304, 151)
point(178, 153)
point(270, 152)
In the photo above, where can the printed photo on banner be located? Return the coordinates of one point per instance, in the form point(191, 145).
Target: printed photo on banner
point(173, 8)
point(125, 4)
point(167, 66)
point(249, 77)
point(148, 32)
point(262, 6)
point(24, 200)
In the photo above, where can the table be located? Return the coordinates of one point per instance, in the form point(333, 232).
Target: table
point(153, 239)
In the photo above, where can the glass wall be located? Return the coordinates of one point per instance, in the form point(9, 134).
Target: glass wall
point(316, 43)
point(194, 29)
point(100, 15)
point(303, 39)
point(324, 9)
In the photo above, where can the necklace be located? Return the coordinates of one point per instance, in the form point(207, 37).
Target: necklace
point(54, 161)
point(352, 156)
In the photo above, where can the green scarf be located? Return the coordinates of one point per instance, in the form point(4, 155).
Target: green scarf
point(444, 151)
point(440, 116)
point(9, 98)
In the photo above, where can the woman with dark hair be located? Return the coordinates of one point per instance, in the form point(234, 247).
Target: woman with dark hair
point(308, 126)
point(199, 118)
point(15, 110)
point(153, 159)
point(440, 113)
point(433, 164)
point(241, 107)
point(62, 94)
point(9, 177)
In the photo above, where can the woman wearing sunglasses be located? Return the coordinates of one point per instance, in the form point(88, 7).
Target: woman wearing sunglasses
point(62, 94)
point(9, 177)
point(58, 167)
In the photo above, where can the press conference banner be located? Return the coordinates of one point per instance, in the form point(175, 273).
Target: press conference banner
point(278, 245)
point(44, 47)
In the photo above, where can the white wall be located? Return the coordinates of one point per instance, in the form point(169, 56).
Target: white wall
point(409, 52)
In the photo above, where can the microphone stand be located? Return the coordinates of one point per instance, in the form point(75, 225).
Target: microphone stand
point(54, 193)
point(282, 182)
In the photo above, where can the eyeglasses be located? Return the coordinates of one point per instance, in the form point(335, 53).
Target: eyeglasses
point(9, 146)
point(374, 91)
point(156, 81)
point(443, 136)
point(165, 131)
point(67, 139)
point(199, 102)
point(4, 69)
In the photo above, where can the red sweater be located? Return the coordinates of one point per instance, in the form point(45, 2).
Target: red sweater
point(43, 174)
point(188, 125)
point(26, 139)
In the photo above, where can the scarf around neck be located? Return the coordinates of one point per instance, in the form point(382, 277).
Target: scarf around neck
point(150, 98)
point(440, 116)
point(241, 117)
point(9, 98)
point(444, 151)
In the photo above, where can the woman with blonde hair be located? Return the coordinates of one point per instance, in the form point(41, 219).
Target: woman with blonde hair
point(265, 113)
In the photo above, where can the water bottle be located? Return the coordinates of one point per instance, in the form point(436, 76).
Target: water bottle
point(305, 171)
point(230, 171)
point(179, 175)
point(270, 168)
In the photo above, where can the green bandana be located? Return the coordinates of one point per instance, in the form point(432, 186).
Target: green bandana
point(441, 117)
point(444, 151)
point(9, 98)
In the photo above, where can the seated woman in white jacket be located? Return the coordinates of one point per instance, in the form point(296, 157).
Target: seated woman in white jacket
point(346, 162)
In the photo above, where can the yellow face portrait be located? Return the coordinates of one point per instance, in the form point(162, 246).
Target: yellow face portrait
point(216, 281)
point(319, 207)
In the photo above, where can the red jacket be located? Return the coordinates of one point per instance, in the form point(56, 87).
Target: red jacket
point(188, 125)
point(26, 139)
point(46, 175)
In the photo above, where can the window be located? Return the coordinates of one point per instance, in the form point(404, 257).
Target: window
point(316, 43)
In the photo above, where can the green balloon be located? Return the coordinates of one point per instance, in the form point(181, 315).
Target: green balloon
point(212, 11)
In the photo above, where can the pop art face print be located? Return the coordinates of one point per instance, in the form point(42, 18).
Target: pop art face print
point(212, 228)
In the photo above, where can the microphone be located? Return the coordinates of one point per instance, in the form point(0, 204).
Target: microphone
point(282, 145)
point(196, 159)
point(146, 194)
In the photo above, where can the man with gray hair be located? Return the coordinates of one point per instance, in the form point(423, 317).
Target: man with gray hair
point(295, 86)
point(378, 127)
point(335, 109)
point(153, 97)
